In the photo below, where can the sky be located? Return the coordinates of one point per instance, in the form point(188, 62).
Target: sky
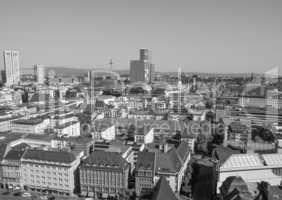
point(215, 36)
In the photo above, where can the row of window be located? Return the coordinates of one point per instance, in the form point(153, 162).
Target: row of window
point(49, 184)
point(46, 167)
point(49, 178)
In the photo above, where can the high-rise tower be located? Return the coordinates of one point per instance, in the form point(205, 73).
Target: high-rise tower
point(12, 67)
point(142, 69)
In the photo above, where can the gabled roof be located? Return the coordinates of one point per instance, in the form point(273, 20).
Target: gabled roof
point(183, 150)
point(222, 153)
point(172, 161)
point(163, 191)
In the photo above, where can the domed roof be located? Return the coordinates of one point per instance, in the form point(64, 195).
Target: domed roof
point(232, 182)
point(162, 85)
point(142, 85)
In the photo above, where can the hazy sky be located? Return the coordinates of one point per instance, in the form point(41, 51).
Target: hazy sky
point(205, 36)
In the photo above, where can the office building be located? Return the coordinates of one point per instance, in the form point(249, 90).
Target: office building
point(104, 174)
point(52, 171)
point(142, 69)
point(12, 67)
point(31, 125)
point(39, 73)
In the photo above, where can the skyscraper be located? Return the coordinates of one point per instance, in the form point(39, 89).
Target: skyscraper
point(39, 72)
point(12, 67)
point(142, 69)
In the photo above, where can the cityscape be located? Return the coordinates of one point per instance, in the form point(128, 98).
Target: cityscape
point(139, 128)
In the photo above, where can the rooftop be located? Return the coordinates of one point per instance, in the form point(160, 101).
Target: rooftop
point(163, 191)
point(49, 156)
point(106, 159)
point(272, 159)
point(243, 161)
point(146, 160)
point(31, 121)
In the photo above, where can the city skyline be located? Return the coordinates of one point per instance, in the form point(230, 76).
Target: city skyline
point(202, 36)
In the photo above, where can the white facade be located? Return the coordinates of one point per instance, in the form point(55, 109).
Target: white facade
point(39, 72)
point(49, 175)
point(12, 67)
point(32, 128)
point(252, 168)
point(146, 138)
point(109, 133)
point(70, 129)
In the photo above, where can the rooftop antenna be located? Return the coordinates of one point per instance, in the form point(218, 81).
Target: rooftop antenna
point(111, 64)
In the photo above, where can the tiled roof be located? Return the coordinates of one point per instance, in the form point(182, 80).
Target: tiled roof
point(172, 161)
point(183, 150)
point(106, 159)
point(146, 160)
point(272, 159)
point(222, 153)
point(242, 161)
point(235, 188)
point(31, 121)
point(233, 182)
point(237, 126)
point(14, 155)
point(163, 191)
point(50, 156)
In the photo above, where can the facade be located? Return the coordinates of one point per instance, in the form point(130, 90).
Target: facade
point(172, 165)
point(145, 172)
point(103, 174)
point(5, 123)
point(235, 187)
point(238, 133)
point(144, 136)
point(53, 171)
point(12, 67)
point(32, 125)
point(11, 168)
point(69, 129)
point(248, 166)
point(142, 69)
point(105, 132)
point(39, 73)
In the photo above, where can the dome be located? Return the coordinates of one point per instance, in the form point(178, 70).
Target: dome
point(140, 88)
point(162, 85)
point(160, 88)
